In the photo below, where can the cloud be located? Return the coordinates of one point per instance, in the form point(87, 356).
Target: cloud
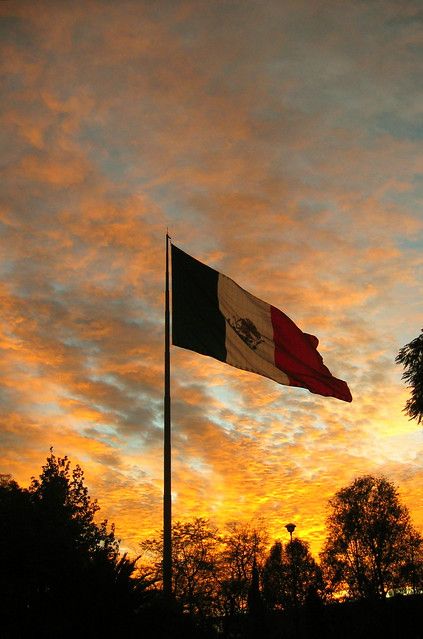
point(278, 144)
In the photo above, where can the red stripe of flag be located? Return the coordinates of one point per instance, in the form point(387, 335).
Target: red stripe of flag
point(296, 355)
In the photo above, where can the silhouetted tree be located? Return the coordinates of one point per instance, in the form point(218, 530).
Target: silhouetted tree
point(61, 573)
point(273, 576)
point(291, 576)
point(212, 574)
point(243, 548)
point(255, 606)
point(254, 599)
point(371, 548)
point(194, 559)
point(18, 551)
point(411, 357)
point(194, 549)
point(66, 513)
point(411, 570)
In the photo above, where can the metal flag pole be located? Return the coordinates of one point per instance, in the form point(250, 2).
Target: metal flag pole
point(167, 450)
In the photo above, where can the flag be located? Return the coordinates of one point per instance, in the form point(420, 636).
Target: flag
point(214, 316)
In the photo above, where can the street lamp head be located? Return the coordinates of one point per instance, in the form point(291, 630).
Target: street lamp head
point(290, 528)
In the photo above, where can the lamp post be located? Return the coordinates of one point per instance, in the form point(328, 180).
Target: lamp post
point(293, 560)
point(290, 528)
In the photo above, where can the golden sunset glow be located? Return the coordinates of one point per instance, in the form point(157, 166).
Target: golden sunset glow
point(279, 143)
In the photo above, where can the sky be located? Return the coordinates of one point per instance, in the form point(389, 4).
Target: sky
point(279, 142)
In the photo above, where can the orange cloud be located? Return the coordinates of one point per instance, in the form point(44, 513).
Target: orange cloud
point(291, 169)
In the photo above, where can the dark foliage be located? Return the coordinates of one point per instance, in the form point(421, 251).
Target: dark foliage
point(61, 573)
point(372, 548)
point(291, 577)
point(411, 357)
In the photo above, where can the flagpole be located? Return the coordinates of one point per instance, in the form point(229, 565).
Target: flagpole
point(167, 477)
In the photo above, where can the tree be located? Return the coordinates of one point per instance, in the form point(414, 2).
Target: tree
point(17, 546)
point(242, 553)
point(212, 574)
point(257, 626)
point(411, 571)
point(371, 548)
point(194, 550)
point(291, 575)
point(59, 568)
point(273, 572)
point(194, 565)
point(66, 508)
point(411, 357)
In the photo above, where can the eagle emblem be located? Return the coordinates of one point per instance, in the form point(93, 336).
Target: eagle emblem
point(247, 331)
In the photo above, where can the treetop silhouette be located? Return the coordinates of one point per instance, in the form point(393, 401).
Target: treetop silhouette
point(411, 357)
